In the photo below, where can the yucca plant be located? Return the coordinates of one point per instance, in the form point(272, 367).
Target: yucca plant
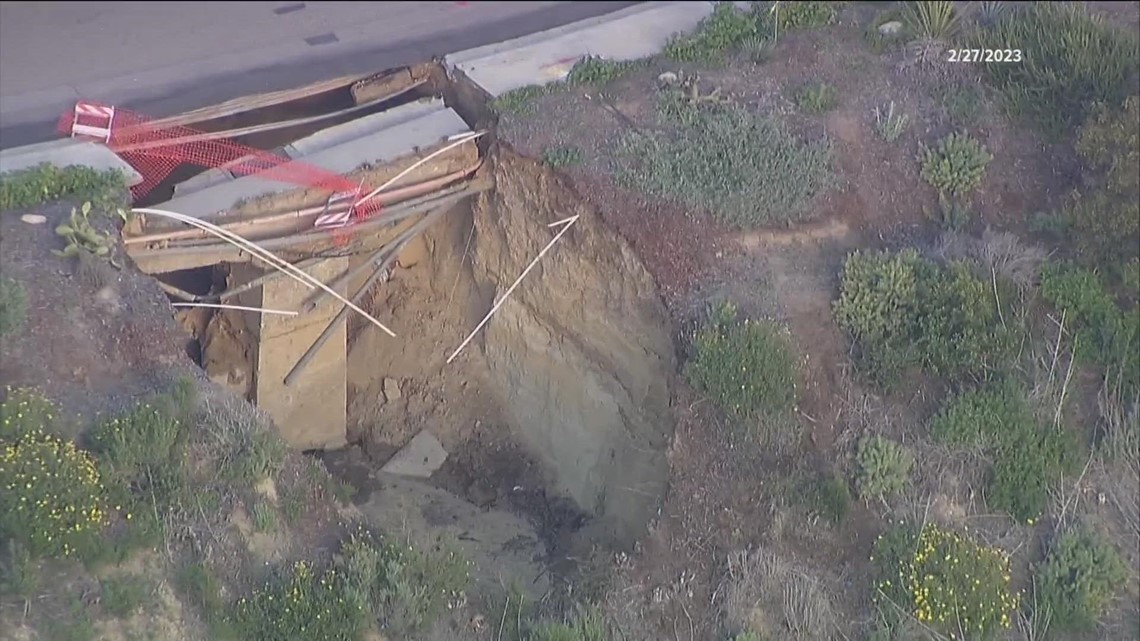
point(937, 20)
point(759, 48)
point(890, 123)
point(989, 13)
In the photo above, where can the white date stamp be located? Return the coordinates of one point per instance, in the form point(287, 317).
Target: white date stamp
point(984, 55)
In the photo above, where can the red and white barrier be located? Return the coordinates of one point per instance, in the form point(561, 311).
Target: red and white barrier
point(92, 120)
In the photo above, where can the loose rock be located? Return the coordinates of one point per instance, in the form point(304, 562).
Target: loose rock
point(891, 28)
point(391, 389)
point(419, 458)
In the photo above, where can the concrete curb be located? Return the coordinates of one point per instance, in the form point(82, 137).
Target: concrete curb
point(66, 153)
point(540, 58)
point(376, 139)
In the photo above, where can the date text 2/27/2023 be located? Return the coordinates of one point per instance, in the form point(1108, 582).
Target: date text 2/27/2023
point(984, 55)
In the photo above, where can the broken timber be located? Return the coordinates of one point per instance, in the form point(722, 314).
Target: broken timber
point(294, 367)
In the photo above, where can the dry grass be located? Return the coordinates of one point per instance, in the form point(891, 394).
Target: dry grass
point(772, 595)
point(999, 253)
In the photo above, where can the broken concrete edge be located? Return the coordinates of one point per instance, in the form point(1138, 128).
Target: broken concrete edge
point(349, 153)
point(420, 458)
point(67, 153)
point(541, 58)
point(322, 140)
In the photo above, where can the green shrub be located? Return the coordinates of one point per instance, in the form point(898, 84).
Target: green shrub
point(804, 14)
point(759, 48)
point(52, 499)
point(883, 467)
point(143, 454)
point(293, 503)
point(595, 71)
point(300, 603)
point(727, 28)
point(829, 497)
point(1131, 280)
point(744, 168)
point(562, 156)
point(585, 626)
point(1028, 458)
point(962, 102)
point(521, 101)
point(1078, 579)
point(73, 624)
point(405, 588)
point(1109, 144)
point(947, 581)
point(990, 13)
point(19, 572)
point(121, 596)
point(255, 453)
point(817, 97)
point(45, 183)
point(1104, 334)
point(955, 165)
point(903, 311)
point(890, 123)
point(202, 589)
point(951, 215)
point(1106, 221)
point(747, 367)
point(24, 412)
point(932, 20)
point(13, 306)
point(264, 517)
point(1071, 60)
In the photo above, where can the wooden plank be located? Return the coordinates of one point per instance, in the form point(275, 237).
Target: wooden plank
point(263, 127)
point(310, 413)
point(256, 101)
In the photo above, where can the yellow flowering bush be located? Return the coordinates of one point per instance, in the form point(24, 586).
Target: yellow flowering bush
point(946, 580)
point(300, 603)
point(23, 412)
point(51, 496)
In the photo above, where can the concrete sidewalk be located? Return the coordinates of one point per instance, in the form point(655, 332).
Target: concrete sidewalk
point(632, 33)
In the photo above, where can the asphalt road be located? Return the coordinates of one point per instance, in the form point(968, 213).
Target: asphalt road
point(162, 58)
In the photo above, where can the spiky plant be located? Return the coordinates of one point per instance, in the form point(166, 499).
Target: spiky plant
point(937, 20)
point(759, 48)
point(989, 13)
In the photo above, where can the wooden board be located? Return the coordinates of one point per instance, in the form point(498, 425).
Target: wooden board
point(256, 101)
point(310, 413)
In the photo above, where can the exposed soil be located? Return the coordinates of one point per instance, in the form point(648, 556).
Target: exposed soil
point(564, 391)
